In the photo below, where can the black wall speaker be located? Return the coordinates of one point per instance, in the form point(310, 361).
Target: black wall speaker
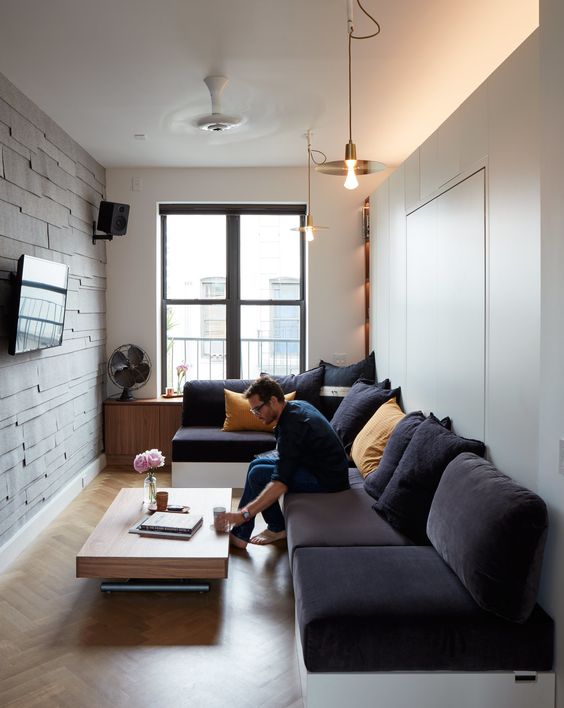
point(112, 218)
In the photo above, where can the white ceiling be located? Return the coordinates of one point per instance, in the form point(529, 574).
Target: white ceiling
point(107, 69)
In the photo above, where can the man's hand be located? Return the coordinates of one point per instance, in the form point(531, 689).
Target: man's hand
point(270, 494)
point(225, 522)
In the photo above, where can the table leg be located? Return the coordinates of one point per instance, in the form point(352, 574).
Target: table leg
point(154, 586)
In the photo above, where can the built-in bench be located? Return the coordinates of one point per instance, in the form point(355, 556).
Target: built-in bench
point(398, 616)
point(205, 455)
point(382, 621)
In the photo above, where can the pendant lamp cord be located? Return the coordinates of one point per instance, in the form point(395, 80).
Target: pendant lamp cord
point(308, 172)
point(311, 157)
point(357, 36)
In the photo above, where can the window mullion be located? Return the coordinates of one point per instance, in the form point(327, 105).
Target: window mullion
point(233, 314)
point(303, 324)
point(164, 362)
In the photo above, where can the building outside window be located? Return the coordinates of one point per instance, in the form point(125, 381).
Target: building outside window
point(233, 301)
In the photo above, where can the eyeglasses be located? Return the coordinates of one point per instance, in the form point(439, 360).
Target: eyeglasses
point(256, 409)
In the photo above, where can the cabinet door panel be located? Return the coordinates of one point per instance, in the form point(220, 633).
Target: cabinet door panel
point(131, 429)
point(445, 313)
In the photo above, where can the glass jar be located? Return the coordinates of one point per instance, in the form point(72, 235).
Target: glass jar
point(150, 489)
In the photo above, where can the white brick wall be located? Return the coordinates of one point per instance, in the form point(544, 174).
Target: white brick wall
point(50, 401)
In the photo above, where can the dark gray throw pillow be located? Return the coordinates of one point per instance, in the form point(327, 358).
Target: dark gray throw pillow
point(338, 379)
point(377, 481)
point(491, 532)
point(355, 410)
point(307, 385)
point(204, 401)
point(406, 501)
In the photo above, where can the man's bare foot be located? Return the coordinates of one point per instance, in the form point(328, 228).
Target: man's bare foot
point(266, 536)
point(236, 541)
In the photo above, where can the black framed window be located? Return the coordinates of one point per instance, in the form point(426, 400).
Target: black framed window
point(233, 300)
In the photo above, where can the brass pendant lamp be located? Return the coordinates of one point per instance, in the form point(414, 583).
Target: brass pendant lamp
point(351, 167)
point(309, 229)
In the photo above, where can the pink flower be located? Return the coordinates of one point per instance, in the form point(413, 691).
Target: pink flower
point(155, 458)
point(181, 369)
point(140, 463)
point(148, 460)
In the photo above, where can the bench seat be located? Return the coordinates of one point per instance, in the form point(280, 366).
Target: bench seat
point(403, 609)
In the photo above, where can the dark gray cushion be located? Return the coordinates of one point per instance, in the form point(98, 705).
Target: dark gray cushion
point(406, 501)
point(210, 444)
point(491, 532)
point(403, 609)
point(307, 385)
point(337, 519)
point(400, 438)
point(336, 377)
point(204, 401)
point(356, 408)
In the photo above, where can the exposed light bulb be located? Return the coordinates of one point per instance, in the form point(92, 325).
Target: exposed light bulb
point(351, 182)
point(309, 233)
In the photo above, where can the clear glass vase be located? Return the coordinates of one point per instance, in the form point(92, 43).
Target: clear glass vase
point(150, 489)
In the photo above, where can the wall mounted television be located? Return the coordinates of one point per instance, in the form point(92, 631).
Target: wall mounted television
point(39, 305)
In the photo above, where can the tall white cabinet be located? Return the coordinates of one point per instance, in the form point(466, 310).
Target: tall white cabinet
point(455, 256)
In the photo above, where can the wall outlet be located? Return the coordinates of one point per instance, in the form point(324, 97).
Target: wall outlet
point(340, 359)
point(561, 456)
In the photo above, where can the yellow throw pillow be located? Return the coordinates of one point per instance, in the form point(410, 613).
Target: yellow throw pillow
point(368, 446)
point(238, 415)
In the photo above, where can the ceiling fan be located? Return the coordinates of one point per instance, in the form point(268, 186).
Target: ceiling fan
point(216, 121)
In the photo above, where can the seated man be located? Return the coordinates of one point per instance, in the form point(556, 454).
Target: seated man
point(309, 458)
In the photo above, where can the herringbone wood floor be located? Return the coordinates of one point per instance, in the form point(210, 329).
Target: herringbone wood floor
point(64, 643)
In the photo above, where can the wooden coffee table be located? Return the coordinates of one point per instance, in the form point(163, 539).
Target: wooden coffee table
point(140, 563)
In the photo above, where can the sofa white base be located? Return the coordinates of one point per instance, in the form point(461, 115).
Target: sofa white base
point(431, 689)
point(209, 474)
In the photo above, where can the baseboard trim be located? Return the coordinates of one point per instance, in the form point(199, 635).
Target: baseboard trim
point(35, 526)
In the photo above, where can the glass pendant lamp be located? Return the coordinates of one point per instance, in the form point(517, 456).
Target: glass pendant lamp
point(310, 229)
point(351, 167)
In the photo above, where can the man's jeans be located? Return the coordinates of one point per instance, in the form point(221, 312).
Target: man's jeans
point(259, 475)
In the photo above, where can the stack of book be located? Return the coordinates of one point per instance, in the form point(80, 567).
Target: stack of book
point(166, 525)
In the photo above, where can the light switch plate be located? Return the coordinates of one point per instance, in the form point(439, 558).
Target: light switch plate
point(561, 456)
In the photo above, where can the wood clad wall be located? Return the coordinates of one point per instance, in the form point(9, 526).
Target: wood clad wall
point(50, 401)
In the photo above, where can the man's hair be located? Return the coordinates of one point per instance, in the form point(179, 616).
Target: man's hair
point(265, 387)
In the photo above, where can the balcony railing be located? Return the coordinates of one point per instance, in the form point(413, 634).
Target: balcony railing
point(206, 357)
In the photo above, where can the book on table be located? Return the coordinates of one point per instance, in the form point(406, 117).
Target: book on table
point(164, 521)
point(166, 525)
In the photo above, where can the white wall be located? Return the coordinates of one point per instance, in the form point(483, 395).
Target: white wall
point(335, 271)
point(551, 421)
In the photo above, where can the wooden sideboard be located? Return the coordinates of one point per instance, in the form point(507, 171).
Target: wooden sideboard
point(131, 427)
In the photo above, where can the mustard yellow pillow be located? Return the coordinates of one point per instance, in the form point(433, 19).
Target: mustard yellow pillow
point(369, 444)
point(238, 415)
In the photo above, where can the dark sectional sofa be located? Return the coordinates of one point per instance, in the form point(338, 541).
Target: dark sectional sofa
point(413, 624)
point(442, 617)
point(203, 455)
